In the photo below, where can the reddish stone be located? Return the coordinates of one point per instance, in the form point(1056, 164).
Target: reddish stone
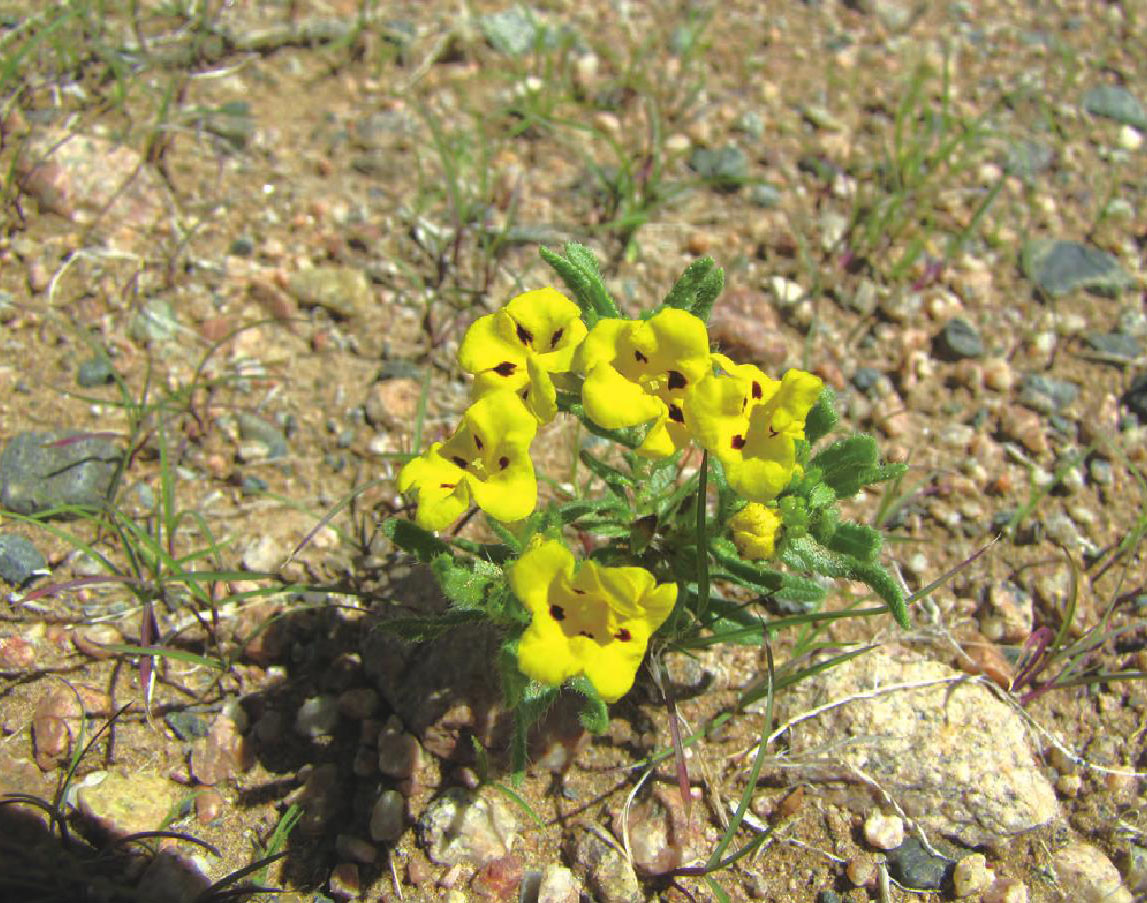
point(499, 879)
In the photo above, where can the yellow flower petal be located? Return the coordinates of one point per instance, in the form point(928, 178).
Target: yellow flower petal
point(535, 334)
point(440, 486)
point(600, 345)
point(490, 343)
point(509, 494)
point(593, 620)
point(612, 668)
point(613, 401)
point(759, 479)
point(539, 567)
point(544, 653)
point(549, 324)
point(486, 461)
point(542, 396)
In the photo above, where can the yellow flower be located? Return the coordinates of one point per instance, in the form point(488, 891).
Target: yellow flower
point(589, 620)
point(755, 531)
point(486, 462)
point(639, 370)
point(518, 347)
point(751, 423)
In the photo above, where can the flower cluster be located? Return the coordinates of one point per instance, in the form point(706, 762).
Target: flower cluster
point(657, 373)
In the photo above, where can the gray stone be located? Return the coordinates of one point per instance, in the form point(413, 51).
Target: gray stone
point(156, 322)
point(342, 291)
point(1133, 322)
point(1028, 159)
point(513, 31)
point(865, 379)
point(388, 817)
point(19, 559)
point(256, 429)
point(1136, 397)
point(1059, 267)
point(979, 782)
point(913, 866)
point(189, 725)
point(606, 870)
point(1115, 102)
point(242, 246)
point(95, 371)
point(1115, 346)
point(725, 168)
point(39, 471)
point(751, 123)
point(317, 716)
point(959, 340)
point(464, 826)
point(765, 195)
point(1047, 394)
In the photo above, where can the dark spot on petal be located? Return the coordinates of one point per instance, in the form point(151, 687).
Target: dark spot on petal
point(503, 462)
point(738, 442)
point(580, 592)
point(757, 393)
point(525, 393)
point(641, 357)
point(676, 380)
point(524, 335)
point(557, 337)
point(772, 432)
point(557, 613)
point(447, 485)
point(585, 633)
point(675, 414)
point(459, 461)
point(623, 635)
point(506, 368)
point(478, 442)
point(744, 401)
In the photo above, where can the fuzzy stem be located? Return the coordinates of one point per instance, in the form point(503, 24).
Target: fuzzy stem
point(702, 542)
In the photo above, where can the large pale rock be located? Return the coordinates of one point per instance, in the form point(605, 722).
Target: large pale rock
point(951, 754)
point(1085, 875)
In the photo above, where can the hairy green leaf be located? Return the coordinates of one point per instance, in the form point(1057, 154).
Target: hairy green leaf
point(823, 418)
point(410, 537)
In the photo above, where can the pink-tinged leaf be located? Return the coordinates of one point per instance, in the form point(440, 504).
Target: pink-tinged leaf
point(1034, 658)
point(148, 631)
point(78, 583)
point(81, 437)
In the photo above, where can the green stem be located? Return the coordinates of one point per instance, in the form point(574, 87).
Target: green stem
point(702, 541)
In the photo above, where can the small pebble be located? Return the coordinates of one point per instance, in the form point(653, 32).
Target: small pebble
point(358, 703)
point(399, 753)
point(347, 846)
point(884, 832)
point(344, 883)
point(971, 875)
point(208, 806)
point(317, 716)
point(861, 870)
point(1005, 890)
point(388, 817)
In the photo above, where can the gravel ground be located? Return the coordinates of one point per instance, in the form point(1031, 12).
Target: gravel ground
point(233, 254)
